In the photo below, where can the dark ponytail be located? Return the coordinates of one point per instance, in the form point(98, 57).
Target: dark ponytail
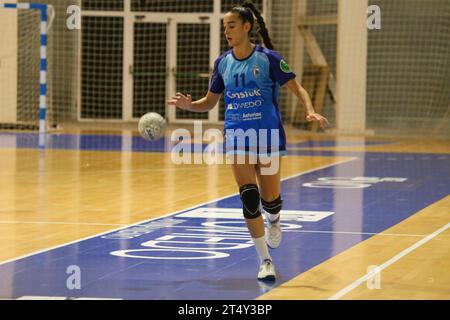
point(246, 12)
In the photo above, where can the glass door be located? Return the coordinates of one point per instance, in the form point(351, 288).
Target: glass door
point(149, 69)
point(192, 69)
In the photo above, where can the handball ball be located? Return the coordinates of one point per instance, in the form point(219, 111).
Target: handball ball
point(151, 126)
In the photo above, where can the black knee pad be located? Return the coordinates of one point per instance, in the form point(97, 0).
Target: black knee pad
point(250, 200)
point(272, 207)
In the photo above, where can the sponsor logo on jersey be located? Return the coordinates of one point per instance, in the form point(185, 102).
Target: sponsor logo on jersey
point(256, 71)
point(244, 94)
point(252, 116)
point(244, 105)
point(284, 66)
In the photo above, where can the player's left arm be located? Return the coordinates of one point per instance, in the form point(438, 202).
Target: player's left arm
point(305, 100)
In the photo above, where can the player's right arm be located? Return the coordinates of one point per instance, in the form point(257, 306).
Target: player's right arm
point(202, 105)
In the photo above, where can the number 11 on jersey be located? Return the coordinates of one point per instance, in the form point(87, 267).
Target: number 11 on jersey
point(236, 77)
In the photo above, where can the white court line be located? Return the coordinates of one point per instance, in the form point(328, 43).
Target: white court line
point(65, 223)
point(188, 227)
point(169, 214)
point(357, 233)
point(191, 168)
point(358, 282)
point(95, 224)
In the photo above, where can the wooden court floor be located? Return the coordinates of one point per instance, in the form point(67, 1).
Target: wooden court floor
point(58, 195)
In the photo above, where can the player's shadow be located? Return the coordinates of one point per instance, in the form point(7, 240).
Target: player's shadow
point(240, 284)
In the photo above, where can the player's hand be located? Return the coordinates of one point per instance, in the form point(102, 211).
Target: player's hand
point(317, 117)
point(181, 101)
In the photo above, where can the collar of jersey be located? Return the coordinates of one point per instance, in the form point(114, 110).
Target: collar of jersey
point(248, 57)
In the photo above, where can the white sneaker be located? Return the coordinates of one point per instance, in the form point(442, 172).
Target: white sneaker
point(273, 233)
point(266, 270)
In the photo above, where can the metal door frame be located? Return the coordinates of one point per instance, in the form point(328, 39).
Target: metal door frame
point(172, 20)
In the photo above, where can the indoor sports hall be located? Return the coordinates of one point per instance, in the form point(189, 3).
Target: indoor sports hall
point(89, 209)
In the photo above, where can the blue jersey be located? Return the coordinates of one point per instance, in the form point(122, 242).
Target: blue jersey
point(251, 88)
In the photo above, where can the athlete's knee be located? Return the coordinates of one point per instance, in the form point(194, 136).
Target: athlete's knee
point(250, 200)
point(274, 206)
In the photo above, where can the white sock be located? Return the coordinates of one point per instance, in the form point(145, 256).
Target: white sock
point(270, 216)
point(273, 217)
point(261, 248)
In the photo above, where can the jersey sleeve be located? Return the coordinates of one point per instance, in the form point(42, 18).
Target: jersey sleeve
point(279, 68)
point(216, 84)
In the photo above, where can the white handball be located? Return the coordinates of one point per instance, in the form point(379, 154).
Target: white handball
point(151, 126)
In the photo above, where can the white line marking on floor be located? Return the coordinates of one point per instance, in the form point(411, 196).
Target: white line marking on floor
point(357, 233)
point(64, 223)
point(169, 214)
point(391, 261)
